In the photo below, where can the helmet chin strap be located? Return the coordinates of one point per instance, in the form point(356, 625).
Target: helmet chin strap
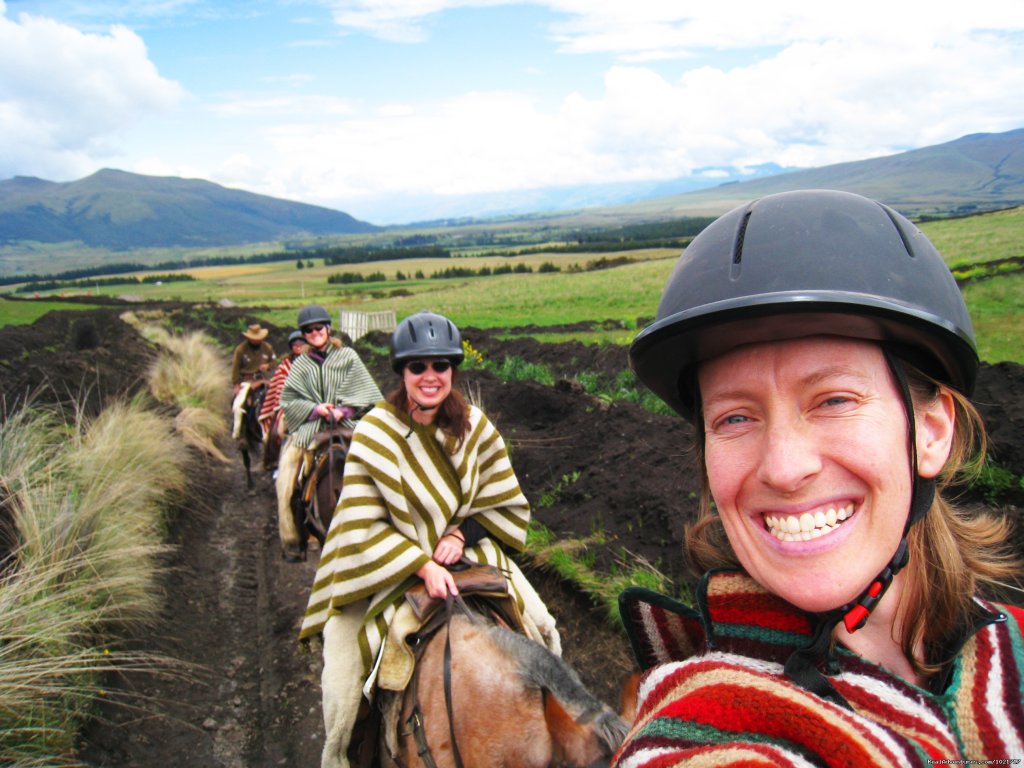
point(802, 665)
point(417, 407)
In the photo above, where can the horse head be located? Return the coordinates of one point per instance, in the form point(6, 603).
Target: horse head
point(588, 740)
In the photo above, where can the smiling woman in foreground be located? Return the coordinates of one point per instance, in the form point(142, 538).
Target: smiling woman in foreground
point(824, 354)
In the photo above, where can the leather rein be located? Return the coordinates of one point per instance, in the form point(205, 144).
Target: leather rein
point(415, 721)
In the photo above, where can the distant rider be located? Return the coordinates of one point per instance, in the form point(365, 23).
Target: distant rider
point(326, 380)
point(250, 364)
point(270, 413)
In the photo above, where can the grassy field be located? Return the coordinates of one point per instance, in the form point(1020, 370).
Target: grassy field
point(978, 238)
point(624, 294)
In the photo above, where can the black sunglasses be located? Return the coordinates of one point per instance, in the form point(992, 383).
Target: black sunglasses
point(314, 328)
point(416, 367)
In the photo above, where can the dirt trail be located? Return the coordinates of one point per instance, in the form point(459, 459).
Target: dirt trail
point(233, 608)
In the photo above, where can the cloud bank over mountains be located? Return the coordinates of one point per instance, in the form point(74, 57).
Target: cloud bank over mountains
point(337, 102)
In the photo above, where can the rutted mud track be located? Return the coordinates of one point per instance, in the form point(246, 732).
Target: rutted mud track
point(231, 610)
point(233, 606)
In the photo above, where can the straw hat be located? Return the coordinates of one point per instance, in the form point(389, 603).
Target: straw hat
point(255, 333)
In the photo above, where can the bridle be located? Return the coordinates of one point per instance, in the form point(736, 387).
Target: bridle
point(415, 720)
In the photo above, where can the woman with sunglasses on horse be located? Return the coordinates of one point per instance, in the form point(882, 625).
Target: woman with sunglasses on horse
point(820, 347)
point(427, 482)
point(327, 381)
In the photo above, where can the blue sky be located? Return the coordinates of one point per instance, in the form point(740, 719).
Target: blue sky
point(401, 110)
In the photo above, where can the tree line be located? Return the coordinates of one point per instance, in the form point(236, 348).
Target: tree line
point(349, 278)
point(49, 285)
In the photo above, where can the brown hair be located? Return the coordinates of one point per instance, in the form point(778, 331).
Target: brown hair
point(452, 414)
point(953, 553)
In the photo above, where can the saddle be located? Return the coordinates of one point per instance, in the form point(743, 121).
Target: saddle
point(321, 458)
point(420, 615)
point(319, 491)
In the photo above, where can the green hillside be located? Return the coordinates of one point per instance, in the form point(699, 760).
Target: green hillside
point(118, 210)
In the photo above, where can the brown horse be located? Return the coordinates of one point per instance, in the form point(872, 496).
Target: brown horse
point(488, 696)
point(313, 505)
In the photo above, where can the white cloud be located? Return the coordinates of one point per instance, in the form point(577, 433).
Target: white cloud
point(663, 28)
point(810, 104)
point(66, 96)
point(400, 21)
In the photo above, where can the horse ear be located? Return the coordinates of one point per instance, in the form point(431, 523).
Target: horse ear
point(628, 697)
point(571, 742)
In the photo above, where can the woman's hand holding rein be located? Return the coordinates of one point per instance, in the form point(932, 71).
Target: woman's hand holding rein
point(437, 579)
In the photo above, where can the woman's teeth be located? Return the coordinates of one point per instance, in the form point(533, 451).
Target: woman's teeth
point(808, 525)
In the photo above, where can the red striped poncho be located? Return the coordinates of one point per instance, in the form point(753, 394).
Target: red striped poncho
point(272, 400)
point(715, 693)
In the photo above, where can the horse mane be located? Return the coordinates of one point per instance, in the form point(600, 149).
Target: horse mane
point(540, 668)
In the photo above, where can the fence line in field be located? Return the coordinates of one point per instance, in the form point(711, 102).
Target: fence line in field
point(358, 324)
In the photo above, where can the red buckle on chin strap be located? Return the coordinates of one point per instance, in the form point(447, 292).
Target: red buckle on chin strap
point(857, 617)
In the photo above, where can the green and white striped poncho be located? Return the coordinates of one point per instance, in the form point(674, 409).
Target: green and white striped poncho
point(341, 380)
point(402, 493)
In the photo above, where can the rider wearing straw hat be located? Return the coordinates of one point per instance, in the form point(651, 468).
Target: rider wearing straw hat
point(249, 365)
point(823, 352)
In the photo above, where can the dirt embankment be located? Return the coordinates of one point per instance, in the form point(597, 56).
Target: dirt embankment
point(233, 606)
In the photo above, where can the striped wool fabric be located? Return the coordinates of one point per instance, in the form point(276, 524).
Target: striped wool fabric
point(272, 400)
point(341, 380)
point(716, 694)
point(402, 493)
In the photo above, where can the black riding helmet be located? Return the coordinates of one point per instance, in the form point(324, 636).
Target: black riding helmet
point(312, 314)
point(806, 263)
point(809, 263)
point(425, 334)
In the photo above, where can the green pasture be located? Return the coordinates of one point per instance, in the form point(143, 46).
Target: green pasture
point(626, 294)
point(26, 312)
point(996, 235)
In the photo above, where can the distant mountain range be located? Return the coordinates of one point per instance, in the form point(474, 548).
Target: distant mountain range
point(120, 210)
point(979, 172)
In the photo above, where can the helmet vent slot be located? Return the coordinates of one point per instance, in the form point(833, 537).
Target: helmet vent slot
point(903, 235)
point(737, 250)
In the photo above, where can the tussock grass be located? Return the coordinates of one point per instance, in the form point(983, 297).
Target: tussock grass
point(83, 506)
point(200, 428)
point(191, 374)
point(193, 377)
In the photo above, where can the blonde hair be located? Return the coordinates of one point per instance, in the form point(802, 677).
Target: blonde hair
point(953, 554)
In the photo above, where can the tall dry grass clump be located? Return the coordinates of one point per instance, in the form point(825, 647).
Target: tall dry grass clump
point(83, 509)
point(192, 376)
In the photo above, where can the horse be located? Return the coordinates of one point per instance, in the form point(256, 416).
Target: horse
point(251, 433)
point(272, 440)
point(314, 502)
point(483, 694)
